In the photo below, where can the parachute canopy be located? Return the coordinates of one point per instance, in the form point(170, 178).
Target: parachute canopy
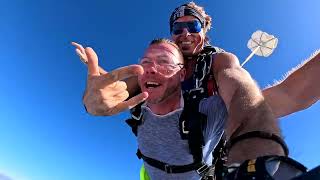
point(261, 44)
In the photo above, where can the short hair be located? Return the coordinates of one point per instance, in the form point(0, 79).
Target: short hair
point(167, 41)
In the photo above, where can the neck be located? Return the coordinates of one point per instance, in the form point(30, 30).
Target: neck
point(169, 104)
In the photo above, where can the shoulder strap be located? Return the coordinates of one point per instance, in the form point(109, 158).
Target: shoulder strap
point(203, 75)
point(191, 120)
point(136, 118)
point(192, 123)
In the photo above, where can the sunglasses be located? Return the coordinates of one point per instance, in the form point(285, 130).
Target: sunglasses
point(191, 26)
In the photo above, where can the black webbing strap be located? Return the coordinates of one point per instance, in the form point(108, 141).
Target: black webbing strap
point(219, 158)
point(133, 123)
point(191, 118)
point(136, 118)
point(194, 121)
point(259, 134)
point(199, 167)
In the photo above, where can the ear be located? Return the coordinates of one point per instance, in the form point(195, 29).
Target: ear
point(182, 74)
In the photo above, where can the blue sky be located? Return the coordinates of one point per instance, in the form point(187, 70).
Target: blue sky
point(45, 133)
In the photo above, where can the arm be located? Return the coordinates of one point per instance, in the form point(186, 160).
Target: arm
point(247, 110)
point(298, 91)
point(244, 101)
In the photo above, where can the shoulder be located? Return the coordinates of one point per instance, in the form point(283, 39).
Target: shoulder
point(225, 60)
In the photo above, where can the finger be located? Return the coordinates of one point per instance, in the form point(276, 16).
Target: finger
point(117, 86)
point(80, 52)
point(93, 67)
point(121, 96)
point(78, 46)
point(83, 57)
point(123, 73)
point(132, 102)
point(102, 71)
point(114, 89)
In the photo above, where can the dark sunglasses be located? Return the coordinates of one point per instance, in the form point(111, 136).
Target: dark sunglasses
point(191, 26)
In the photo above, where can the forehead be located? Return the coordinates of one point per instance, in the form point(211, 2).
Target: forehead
point(163, 50)
point(186, 18)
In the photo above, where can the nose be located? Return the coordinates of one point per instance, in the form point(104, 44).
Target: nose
point(185, 32)
point(151, 69)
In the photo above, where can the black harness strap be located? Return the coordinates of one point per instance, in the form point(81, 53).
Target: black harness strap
point(198, 166)
point(220, 158)
point(136, 118)
point(259, 134)
point(195, 121)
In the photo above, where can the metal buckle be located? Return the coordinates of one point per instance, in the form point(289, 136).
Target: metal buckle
point(167, 169)
point(135, 117)
point(202, 169)
point(196, 91)
point(183, 128)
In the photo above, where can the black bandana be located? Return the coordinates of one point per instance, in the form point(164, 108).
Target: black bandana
point(185, 10)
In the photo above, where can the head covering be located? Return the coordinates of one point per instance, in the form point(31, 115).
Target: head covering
point(185, 10)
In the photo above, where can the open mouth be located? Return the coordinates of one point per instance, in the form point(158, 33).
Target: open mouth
point(152, 85)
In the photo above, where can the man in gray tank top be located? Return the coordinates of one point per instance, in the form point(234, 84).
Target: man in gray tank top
point(159, 134)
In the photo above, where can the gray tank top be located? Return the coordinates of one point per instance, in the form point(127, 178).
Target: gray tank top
point(159, 138)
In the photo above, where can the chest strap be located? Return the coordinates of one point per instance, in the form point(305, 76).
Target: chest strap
point(199, 167)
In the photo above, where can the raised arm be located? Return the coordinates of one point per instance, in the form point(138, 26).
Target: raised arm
point(299, 90)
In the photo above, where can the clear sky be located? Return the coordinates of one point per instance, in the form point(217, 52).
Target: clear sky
point(45, 133)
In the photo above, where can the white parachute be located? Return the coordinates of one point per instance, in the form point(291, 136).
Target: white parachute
point(261, 44)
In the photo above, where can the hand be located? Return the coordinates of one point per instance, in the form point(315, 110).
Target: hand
point(83, 56)
point(106, 94)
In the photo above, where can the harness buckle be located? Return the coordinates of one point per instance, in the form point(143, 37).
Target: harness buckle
point(183, 128)
point(168, 169)
point(202, 169)
point(136, 117)
point(195, 92)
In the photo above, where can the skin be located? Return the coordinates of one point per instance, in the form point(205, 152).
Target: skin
point(298, 91)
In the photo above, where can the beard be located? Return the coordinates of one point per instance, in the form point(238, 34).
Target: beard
point(168, 93)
